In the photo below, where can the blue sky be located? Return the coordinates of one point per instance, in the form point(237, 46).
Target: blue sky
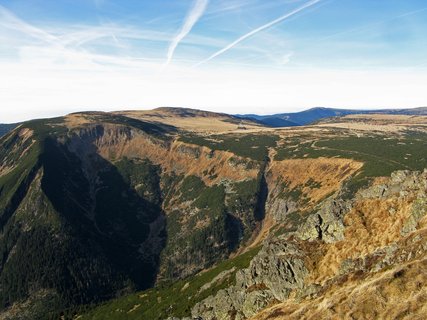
point(224, 55)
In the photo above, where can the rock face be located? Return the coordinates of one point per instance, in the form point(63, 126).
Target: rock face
point(300, 264)
point(418, 211)
point(404, 184)
point(280, 208)
point(276, 270)
point(327, 223)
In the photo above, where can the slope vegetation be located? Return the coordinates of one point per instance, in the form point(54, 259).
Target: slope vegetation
point(326, 194)
point(95, 205)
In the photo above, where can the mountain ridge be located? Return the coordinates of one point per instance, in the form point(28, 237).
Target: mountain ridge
point(277, 120)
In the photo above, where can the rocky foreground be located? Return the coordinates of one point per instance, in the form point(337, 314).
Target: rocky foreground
point(363, 258)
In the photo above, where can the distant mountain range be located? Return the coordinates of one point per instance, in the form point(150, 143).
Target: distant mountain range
point(312, 115)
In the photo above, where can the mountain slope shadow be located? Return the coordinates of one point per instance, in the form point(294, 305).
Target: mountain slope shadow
point(107, 218)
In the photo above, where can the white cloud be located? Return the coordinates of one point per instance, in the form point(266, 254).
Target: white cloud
point(26, 93)
point(11, 22)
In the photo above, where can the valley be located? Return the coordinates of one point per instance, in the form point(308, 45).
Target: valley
point(179, 213)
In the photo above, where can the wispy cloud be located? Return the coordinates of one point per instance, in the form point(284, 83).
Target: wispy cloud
point(194, 15)
point(10, 21)
point(61, 49)
point(257, 30)
point(62, 46)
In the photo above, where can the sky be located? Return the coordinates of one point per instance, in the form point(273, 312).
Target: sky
point(234, 56)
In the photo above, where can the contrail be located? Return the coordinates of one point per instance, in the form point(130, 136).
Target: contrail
point(194, 15)
point(257, 30)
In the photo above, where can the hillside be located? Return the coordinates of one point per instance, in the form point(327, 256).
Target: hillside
point(156, 214)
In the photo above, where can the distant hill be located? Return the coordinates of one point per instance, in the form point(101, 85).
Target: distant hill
point(5, 128)
point(271, 121)
point(312, 115)
point(195, 120)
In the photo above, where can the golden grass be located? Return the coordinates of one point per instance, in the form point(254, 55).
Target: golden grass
point(176, 157)
point(376, 122)
point(24, 134)
point(394, 292)
point(365, 126)
point(364, 233)
point(75, 120)
point(328, 172)
point(399, 293)
point(394, 118)
point(202, 121)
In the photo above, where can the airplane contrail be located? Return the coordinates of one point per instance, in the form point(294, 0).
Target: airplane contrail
point(194, 15)
point(257, 30)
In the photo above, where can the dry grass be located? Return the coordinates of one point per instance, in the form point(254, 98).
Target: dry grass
point(202, 121)
point(364, 233)
point(399, 293)
point(365, 126)
point(177, 157)
point(24, 135)
point(376, 122)
point(329, 173)
point(76, 120)
point(394, 292)
point(388, 118)
point(267, 224)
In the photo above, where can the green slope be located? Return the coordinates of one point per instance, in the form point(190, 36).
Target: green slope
point(172, 299)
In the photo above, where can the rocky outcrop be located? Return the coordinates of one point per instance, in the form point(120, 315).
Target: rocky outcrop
point(280, 266)
point(217, 279)
point(403, 184)
point(280, 208)
point(277, 269)
point(327, 223)
point(418, 211)
point(281, 269)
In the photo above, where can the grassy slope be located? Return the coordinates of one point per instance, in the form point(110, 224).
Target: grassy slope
point(250, 145)
point(174, 299)
point(381, 155)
